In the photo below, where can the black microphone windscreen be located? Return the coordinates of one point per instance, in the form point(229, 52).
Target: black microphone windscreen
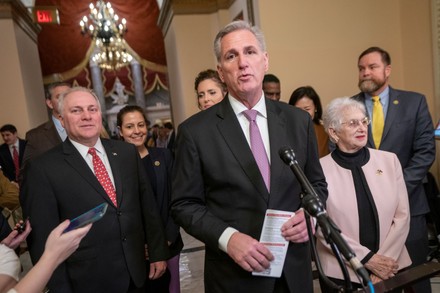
point(287, 155)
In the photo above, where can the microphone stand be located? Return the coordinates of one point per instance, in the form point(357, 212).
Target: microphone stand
point(323, 277)
point(313, 205)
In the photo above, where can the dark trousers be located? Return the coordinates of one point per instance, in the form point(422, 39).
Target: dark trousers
point(281, 285)
point(133, 289)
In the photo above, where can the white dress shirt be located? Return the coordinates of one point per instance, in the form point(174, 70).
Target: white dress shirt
point(84, 151)
point(261, 120)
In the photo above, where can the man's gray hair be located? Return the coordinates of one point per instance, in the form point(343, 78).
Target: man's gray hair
point(72, 90)
point(333, 114)
point(235, 26)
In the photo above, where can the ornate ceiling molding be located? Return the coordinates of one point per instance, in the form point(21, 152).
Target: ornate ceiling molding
point(18, 12)
point(182, 7)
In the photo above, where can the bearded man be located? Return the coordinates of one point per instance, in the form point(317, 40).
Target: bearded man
point(401, 124)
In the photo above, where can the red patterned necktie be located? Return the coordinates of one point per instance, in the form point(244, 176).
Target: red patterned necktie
point(102, 176)
point(16, 162)
point(257, 146)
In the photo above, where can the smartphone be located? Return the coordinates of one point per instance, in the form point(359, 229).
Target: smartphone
point(20, 228)
point(88, 217)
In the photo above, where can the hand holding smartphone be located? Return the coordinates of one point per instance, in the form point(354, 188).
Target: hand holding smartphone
point(88, 217)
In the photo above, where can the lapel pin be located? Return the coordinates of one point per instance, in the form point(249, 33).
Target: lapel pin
point(396, 102)
point(114, 154)
point(379, 172)
point(156, 163)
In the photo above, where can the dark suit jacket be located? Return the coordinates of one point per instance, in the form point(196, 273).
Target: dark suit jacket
point(217, 184)
point(409, 133)
point(40, 139)
point(60, 185)
point(6, 160)
point(159, 164)
point(170, 144)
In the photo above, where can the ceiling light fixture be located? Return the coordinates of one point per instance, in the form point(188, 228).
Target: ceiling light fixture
point(104, 27)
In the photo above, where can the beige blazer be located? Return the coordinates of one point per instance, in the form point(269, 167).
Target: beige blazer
point(385, 180)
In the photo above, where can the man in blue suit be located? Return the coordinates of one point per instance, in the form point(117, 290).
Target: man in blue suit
point(408, 132)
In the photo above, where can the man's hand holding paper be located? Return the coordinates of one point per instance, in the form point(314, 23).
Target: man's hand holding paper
point(295, 229)
point(250, 254)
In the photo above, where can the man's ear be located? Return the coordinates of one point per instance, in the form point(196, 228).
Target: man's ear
point(266, 65)
point(61, 120)
point(49, 103)
point(387, 71)
point(220, 72)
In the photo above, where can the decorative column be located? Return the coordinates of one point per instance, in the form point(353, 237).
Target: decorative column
point(138, 84)
point(98, 87)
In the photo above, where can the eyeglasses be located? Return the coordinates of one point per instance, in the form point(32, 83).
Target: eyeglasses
point(355, 122)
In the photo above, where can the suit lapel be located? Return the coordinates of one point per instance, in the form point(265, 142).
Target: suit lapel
point(393, 107)
point(370, 143)
point(115, 164)
point(52, 133)
point(77, 162)
point(160, 170)
point(392, 113)
point(231, 131)
point(21, 146)
point(277, 130)
point(7, 155)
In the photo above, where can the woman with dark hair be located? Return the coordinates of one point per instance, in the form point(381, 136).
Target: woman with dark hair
point(158, 162)
point(306, 98)
point(209, 88)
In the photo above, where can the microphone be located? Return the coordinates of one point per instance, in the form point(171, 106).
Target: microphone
point(313, 205)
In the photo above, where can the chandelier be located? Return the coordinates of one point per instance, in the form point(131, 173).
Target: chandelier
point(104, 27)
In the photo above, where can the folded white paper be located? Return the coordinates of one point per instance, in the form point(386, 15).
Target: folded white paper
point(271, 237)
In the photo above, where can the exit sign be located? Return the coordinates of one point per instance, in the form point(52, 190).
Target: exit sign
point(46, 15)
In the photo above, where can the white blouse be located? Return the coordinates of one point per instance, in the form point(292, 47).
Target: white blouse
point(9, 262)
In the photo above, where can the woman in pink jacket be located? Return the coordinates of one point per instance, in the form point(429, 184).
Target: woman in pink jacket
point(367, 197)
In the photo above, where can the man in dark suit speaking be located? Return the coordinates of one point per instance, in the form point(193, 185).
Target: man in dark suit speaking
point(227, 174)
point(79, 174)
point(401, 124)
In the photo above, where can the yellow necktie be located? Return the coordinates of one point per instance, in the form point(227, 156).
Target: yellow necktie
point(378, 121)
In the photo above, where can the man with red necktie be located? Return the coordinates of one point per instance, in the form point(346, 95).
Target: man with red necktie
point(79, 174)
point(11, 152)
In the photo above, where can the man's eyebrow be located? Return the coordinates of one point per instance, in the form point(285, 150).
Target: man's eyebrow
point(250, 47)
